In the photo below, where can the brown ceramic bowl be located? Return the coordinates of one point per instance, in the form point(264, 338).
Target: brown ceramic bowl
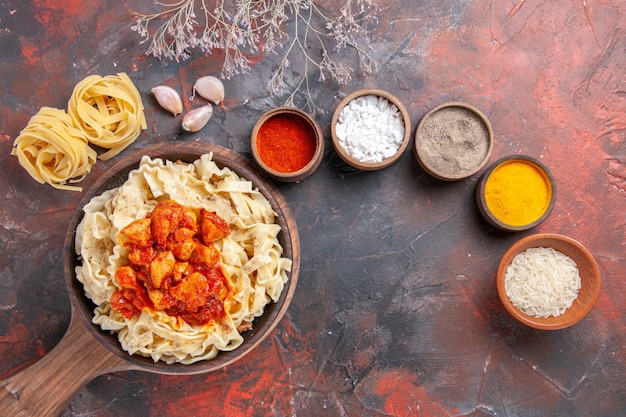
point(189, 153)
point(453, 141)
point(294, 116)
point(500, 223)
point(589, 274)
point(350, 159)
point(86, 351)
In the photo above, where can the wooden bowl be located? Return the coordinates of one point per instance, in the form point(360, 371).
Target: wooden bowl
point(284, 174)
point(543, 172)
point(86, 351)
point(453, 141)
point(345, 155)
point(589, 274)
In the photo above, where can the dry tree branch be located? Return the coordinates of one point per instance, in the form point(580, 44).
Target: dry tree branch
point(241, 28)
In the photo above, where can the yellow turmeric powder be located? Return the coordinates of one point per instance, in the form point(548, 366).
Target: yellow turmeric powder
point(518, 192)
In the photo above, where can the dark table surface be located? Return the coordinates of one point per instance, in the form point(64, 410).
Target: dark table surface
point(396, 310)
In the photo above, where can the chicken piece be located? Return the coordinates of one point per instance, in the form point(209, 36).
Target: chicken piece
point(139, 233)
point(188, 219)
point(193, 291)
point(161, 299)
point(216, 278)
point(139, 297)
point(182, 243)
point(141, 257)
point(212, 310)
point(205, 255)
point(142, 276)
point(164, 220)
point(168, 216)
point(122, 304)
point(129, 301)
point(181, 270)
point(126, 277)
point(161, 267)
point(212, 227)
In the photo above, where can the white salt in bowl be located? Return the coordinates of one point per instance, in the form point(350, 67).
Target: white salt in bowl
point(370, 123)
point(453, 141)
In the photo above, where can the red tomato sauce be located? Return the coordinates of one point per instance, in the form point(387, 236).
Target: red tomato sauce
point(174, 265)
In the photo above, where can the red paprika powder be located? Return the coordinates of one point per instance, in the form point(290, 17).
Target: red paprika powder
point(286, 142)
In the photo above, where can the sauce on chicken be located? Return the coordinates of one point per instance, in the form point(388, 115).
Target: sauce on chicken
point(174, 265)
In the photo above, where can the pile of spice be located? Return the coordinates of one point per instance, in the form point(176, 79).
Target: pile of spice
point(453, 142)
point(370, 129)
point(286, 142)
point(518, 192)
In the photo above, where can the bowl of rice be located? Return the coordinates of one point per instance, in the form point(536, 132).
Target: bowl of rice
point(548, 281)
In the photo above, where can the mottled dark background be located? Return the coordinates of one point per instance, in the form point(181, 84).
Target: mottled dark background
point(396, 311)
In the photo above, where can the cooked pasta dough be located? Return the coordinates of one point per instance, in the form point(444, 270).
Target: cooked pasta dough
point(109, 111)
point(53, 151)
point(252, 256)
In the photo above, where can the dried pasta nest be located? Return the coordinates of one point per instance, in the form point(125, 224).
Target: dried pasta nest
point(53, 151)
point(109, 112)
point(104, 111)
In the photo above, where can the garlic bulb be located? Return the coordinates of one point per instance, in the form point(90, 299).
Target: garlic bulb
point(168, 98)
point(196, 119)
point(210, 88)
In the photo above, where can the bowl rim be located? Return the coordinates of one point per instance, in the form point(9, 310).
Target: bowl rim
point(482, 201)
point(306, 170)
point(590, 283)
point(115, 176)
point(420, 126)
point(370, 166)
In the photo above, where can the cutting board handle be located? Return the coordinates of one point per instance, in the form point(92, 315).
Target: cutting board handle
point(46, 388)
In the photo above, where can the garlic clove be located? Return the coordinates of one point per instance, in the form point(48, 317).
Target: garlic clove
point(210, 88)
point(168, 98)
point(196, 119)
